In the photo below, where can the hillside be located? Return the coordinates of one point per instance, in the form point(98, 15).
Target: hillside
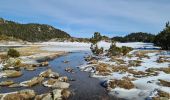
point(136, 37)
point(30, 32)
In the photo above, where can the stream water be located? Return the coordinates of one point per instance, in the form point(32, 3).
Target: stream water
point(83, 88)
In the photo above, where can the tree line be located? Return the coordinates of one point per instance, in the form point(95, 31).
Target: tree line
point(30, 32)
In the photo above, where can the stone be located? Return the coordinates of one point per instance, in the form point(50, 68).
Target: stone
point(14, 85)
point(49, 74)
point(57, 94)
point(11, 73)
point(6, 83)
point(54, 83)
point(20, 95)
point(65, 93)
point(63, 79)
point(32, 82)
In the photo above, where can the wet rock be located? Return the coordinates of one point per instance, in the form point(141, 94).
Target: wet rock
point(72, 79)
point(11, 73)
point(49, 74)
point(46, 96)
point(65, 61)
point(65, 94)
point(6, 83)
point(63, 79)
point(20, 95)
point(14, 85)
point(30, 68)
point(44, 64)
point(32, 82)
point(69, 70)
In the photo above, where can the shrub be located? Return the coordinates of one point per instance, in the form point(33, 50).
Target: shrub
point(13, 53)
point(114, 50)
point(96, 50)
point(126, 50)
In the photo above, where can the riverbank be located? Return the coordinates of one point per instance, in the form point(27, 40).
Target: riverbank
point(143, 73)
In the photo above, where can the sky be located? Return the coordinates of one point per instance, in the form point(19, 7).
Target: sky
point(81, 18)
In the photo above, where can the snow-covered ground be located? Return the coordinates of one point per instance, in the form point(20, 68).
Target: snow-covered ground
point(145, 86)
point(77, 46)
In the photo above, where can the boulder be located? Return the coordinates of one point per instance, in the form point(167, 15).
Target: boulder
point(20, 95)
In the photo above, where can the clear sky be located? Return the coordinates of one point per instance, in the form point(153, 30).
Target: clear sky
point(81, 18)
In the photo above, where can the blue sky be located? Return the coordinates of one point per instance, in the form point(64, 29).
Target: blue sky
point(81, 18)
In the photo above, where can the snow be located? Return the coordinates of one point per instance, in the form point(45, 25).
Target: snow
point(145, 87)
point(77, 46)
point(1, 65)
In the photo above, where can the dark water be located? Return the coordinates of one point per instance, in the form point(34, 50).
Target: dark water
point(84, 88)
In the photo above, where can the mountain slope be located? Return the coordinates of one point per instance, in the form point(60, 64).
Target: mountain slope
point(30, 32)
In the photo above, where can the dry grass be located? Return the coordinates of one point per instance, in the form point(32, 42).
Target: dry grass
point(27, 51)
point(163, 59)
point(166, 70)
point(119, 68)
point(162, 96)
point(124, 83)
point(164, 83)
point(101, 67)
point(134, 63)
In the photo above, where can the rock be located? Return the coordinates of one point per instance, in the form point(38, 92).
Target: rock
point(46, 96)
point(11, 73)
point(20, 95)
point(65, 61)
point(32, 82)
point(63, 79)
point(57, 94)
point(49, 74)
point(14, 85)
point(54, 83)
point(72, 79)
point(44, 64)
point(30, 68)
point(6, 83)
point(54, 95)
point(69, 70)
point(65, 94)
point(62, 85)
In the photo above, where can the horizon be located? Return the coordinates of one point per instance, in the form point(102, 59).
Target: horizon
point(83, 18)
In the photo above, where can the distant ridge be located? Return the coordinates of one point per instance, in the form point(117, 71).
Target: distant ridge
point(32, 32)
